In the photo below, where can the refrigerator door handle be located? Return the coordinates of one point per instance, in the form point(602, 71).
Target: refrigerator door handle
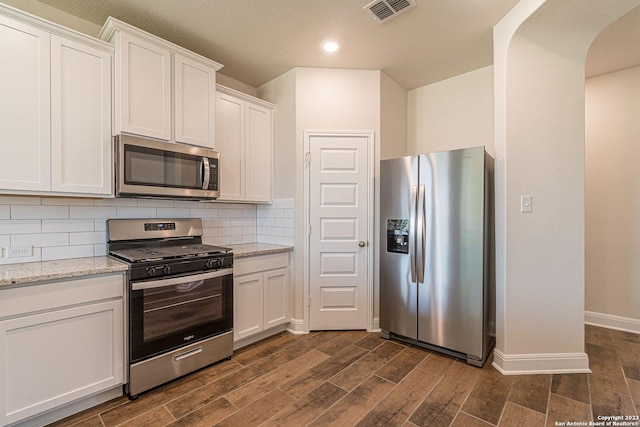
point(421, 234)
point(412, 233)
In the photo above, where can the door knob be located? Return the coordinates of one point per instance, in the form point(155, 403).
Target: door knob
point(362, 243)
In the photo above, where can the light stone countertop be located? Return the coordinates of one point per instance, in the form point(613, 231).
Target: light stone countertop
point(27, 272)
point(252, 249)
point(11, 274)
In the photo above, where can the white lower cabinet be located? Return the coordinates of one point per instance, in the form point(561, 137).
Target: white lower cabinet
point(60, 342)
point(262, 286)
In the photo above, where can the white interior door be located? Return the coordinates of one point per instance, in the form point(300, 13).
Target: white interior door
point(339, 231)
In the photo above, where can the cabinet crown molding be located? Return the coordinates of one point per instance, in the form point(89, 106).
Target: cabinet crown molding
point(112, 25)
point(53, 28)
point(245, 97)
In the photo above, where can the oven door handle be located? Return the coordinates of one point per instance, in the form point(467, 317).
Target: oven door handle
point(137, 286)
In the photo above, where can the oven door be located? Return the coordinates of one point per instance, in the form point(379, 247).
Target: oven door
point(168, 313)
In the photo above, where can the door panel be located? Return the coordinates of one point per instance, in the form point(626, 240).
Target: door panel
point(339, 200)
point(398, 291)
point(230, 144)
point(451, 297)
point(258, 153)
point(248, 310)
point(276, 297)
point(26, 113)
point(195, 103)
point(81, 118)
point(145, 87)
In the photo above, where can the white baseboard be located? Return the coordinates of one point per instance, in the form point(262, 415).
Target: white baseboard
point(70, 409)
point(611, 321)
point(259, 336)
point(375, 325)
point(551, 363)
point(296, 326)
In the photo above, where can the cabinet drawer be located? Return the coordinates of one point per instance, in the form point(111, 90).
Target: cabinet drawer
point(26, 299)
point(260, 263)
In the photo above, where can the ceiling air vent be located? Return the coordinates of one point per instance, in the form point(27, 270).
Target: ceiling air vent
point(384, 10)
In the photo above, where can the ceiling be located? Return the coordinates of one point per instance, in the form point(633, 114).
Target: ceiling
point(258, 40)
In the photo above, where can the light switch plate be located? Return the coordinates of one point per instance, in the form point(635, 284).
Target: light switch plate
point(525, 204)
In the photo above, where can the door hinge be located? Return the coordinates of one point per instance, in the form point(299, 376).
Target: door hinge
point(309, 302)
point(307, 157)
point(309, 231)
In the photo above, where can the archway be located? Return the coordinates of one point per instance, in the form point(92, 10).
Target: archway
point(540, 49)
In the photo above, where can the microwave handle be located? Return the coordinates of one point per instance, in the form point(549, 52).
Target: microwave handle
point(206, 173)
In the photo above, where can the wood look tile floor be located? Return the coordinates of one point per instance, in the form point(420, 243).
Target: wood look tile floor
point(356, 378)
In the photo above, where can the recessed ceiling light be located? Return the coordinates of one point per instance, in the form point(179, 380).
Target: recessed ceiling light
point(330, 46)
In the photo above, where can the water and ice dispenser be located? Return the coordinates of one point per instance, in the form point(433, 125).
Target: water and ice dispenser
point(398, 236)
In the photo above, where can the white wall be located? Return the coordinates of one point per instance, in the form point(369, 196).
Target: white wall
point(56, 15)
point(330, 99)
point(281, 91)
point(453, 113)
point(315, 99)
point(540, 49)
point(612, 200)
point(393, 119)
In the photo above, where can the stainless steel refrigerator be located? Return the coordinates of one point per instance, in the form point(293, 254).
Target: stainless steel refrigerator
point(437, 281)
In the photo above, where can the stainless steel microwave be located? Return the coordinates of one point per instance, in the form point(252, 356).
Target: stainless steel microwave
point(150, 168)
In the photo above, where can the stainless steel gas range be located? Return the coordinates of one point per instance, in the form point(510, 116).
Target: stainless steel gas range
point(180, 301)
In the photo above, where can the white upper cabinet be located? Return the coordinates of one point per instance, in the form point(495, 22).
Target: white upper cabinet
point(195, 102)
point(230, 137)
point(244, 138)
point(163, 91)
point(55, 106)
point(258, 152)
point(81, 118)
point(24, 107)
point(143, 71)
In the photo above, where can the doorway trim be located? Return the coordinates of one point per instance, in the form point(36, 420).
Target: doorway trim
point(369, 134)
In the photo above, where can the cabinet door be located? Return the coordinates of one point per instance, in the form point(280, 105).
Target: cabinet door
point(53, 358)
point(195, 102)
point(24, 107)
point(276, 297)
point(81, 118)
point(229, 142)
point(247, 305)
point(258, 153)
point(145, 87)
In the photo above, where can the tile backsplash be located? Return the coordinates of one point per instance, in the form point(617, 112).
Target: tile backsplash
point(275, 222)
point(58, 228)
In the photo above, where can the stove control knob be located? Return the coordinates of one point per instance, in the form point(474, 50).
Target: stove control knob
point(151, 271)
point(210, 263)
point(166, 269)
point(220, 262)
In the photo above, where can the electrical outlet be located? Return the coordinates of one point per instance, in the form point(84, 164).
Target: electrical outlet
point(20, 251)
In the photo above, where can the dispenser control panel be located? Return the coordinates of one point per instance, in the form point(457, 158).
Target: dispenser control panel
point(398, 236)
